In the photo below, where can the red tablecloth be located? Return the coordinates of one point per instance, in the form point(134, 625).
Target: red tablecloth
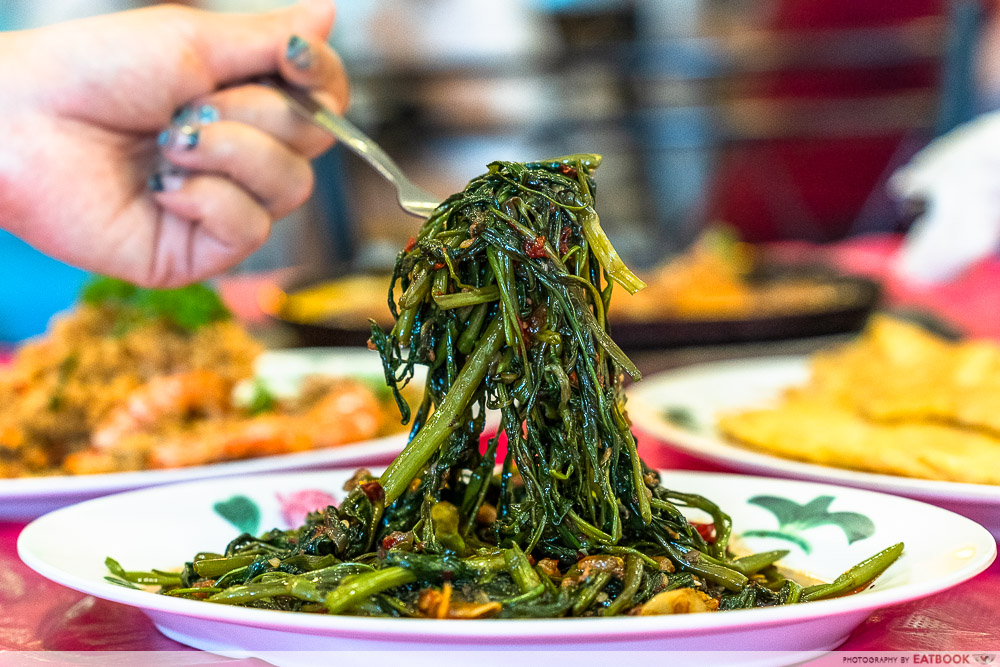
point(970, 302)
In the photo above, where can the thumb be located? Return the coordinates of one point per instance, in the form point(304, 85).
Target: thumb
point(241, 46)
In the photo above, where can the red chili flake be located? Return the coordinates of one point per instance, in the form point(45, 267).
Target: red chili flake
point(706, 530)
point(534, 323)
point(394, 538)
point(567, 170)
point(374, 491)
point(564, 240)
point(522, 325)
point(410, 245)
point(438, 265)
point(574, 379)
point(535, 248)
point(371, 344)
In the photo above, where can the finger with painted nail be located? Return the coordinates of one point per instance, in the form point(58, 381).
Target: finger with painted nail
point(278, 177)
point(264, 108)
point(185, 127)
point(84, 130)
point(299, 53)
point(314, 65)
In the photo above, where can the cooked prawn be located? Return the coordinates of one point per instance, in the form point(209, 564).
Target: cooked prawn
point(348, 412)
point(164, 398)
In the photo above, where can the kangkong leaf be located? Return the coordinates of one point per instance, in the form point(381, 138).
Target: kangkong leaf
point(503, 295)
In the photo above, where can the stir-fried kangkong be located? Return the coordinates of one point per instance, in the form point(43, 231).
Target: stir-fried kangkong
point(504, 295)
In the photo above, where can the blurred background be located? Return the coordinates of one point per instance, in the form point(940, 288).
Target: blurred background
point(781, 118)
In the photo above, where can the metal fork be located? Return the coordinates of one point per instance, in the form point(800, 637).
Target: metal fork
point(412, 198)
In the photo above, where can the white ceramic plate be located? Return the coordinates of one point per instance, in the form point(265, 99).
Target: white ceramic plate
point(282, 371)
point(703, 391)
point(163, 527)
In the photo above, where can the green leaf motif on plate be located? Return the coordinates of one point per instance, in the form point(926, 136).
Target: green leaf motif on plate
point(681, 417)
point(794, 518)
point(241, 512)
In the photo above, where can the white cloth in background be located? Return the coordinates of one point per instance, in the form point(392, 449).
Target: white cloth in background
point(957, 177)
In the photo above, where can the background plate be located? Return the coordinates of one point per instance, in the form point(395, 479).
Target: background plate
point(282, 370)
point(704, 390)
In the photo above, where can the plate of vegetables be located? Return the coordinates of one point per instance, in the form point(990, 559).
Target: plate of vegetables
point(564, 538)
point(210, 540)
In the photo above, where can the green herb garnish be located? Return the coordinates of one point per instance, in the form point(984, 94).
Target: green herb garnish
point(188, 308)
point(261, 399)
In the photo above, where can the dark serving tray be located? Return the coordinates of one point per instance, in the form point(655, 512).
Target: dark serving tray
point(845, 317)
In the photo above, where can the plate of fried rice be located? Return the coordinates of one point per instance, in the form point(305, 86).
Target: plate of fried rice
point(137, 387)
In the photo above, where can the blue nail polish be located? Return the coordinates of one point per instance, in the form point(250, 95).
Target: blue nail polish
point(182, 115)
point(188, 136)
point(208, 114)
point(155, 183)
point(163, 138)
point(299, 52)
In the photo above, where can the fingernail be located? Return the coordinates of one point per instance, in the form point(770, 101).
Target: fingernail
point(208, 114)
point(184, 136)
point(299, 53)
point(165, 181)
point(181, 115)
point(185, 126)
point(187, 137)
point(189, 114)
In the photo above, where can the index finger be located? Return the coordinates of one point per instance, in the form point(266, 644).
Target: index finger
point(313, 64)
point(236, 47)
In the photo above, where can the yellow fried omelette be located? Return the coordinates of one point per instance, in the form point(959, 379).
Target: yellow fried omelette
point(898, 400)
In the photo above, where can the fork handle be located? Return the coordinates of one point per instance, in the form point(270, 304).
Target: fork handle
point(344, 130)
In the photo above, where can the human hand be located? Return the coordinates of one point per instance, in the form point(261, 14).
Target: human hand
point(85, 103)
point(957, 177)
